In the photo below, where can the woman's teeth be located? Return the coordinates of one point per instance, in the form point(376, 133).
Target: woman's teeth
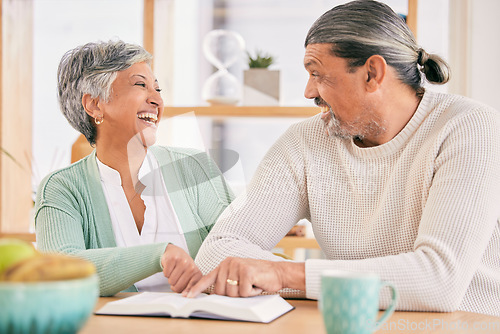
point(148, 117)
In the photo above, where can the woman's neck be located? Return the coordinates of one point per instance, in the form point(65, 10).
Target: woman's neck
point(127, 160)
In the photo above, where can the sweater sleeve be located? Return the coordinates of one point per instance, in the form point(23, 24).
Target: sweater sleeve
point(260, 217)
point(459, 216)
point(118, 268)
point(66, 222)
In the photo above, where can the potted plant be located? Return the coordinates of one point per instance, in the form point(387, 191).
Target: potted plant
point(260, 60)
point(261, 86)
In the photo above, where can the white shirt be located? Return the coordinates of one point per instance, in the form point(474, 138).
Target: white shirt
point(160, 221)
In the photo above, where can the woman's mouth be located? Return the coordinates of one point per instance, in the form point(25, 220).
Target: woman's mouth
point(148, 118)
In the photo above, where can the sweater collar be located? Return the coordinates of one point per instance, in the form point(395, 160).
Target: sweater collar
point(99, 205)
point(111, 176)
point(400, 140)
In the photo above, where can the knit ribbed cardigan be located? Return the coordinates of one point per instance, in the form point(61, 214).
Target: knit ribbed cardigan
point(72, 216)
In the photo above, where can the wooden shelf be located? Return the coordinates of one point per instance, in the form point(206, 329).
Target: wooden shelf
point(243, 111)
point(290, 244)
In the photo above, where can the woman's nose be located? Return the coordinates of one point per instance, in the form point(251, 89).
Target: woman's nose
point(155, 98)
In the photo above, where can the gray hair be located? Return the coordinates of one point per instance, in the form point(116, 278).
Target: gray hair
point(360, 29)
point(91, 69)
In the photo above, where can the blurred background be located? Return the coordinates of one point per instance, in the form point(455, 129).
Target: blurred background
point(36, 33)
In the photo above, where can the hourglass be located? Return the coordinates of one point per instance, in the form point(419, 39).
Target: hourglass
point(222, 48)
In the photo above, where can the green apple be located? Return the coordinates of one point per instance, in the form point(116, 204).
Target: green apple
point(13, 251)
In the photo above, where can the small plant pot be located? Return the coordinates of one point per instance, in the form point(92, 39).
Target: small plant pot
point(261, 87)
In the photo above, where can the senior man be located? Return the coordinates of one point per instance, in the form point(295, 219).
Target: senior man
point(405, 183)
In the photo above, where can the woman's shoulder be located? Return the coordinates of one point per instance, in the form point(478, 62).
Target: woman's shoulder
point(169, 154)
point(175, 151)
point(66, 177)
point(185, 161)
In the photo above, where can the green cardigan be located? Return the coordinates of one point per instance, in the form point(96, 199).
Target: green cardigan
point(72, 216)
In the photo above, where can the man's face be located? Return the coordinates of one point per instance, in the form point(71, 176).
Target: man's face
point(341, 94)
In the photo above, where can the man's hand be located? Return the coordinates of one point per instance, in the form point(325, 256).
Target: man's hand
point(179, 268)
point(236, 277)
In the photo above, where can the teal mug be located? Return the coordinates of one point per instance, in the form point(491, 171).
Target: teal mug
point(349, 302)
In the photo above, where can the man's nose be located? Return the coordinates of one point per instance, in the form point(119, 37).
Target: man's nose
point(310, 92)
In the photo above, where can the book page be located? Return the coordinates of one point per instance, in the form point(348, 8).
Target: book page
point(175, 300)
point(243, 302)
point(149, 303)
point(256, 309)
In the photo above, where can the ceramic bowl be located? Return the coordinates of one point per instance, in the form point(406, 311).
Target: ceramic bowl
point(47, 307)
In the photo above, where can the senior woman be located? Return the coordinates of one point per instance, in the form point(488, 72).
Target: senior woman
point(138, 212)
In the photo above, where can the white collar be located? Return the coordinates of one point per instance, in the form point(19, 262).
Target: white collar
point(112, 176)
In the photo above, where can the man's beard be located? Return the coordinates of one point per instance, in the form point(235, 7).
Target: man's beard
point(357, 130)
point(367, 125)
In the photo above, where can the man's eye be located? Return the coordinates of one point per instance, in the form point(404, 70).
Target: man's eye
point(158, 90)
point(140, 84)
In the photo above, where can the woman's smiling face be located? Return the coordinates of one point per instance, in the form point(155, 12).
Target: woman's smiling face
point(134, 108)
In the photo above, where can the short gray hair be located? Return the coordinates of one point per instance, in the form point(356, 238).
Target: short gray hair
point(360, 29)
point(91, 69)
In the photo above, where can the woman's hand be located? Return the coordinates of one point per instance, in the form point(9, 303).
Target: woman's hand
point(179, 268)
point(236, 277)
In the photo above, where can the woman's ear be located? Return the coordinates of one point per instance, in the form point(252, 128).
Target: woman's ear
point(376, 68)
point(91, 106)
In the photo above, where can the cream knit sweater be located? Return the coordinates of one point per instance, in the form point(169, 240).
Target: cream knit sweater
point(422, 210)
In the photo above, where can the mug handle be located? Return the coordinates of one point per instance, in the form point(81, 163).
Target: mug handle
point(390, 310)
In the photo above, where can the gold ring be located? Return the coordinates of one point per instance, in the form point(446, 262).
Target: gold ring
point(232, 282)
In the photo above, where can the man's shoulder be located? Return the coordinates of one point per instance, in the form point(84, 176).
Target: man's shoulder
point(454, 107)
point(308, 134)
point(312, 127)
point(452, 113)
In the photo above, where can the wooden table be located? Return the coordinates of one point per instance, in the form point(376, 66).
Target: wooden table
point(305, 318)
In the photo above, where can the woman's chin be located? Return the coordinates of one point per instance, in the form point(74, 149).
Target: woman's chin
point(145, 138)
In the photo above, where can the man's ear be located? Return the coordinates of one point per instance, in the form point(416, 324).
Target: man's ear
point(376, 68)
point(91, 106)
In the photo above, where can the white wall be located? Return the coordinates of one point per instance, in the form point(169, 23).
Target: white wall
point(485, 52)
point(433, 31)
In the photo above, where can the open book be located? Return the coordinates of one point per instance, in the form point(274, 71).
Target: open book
point(255, 309)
